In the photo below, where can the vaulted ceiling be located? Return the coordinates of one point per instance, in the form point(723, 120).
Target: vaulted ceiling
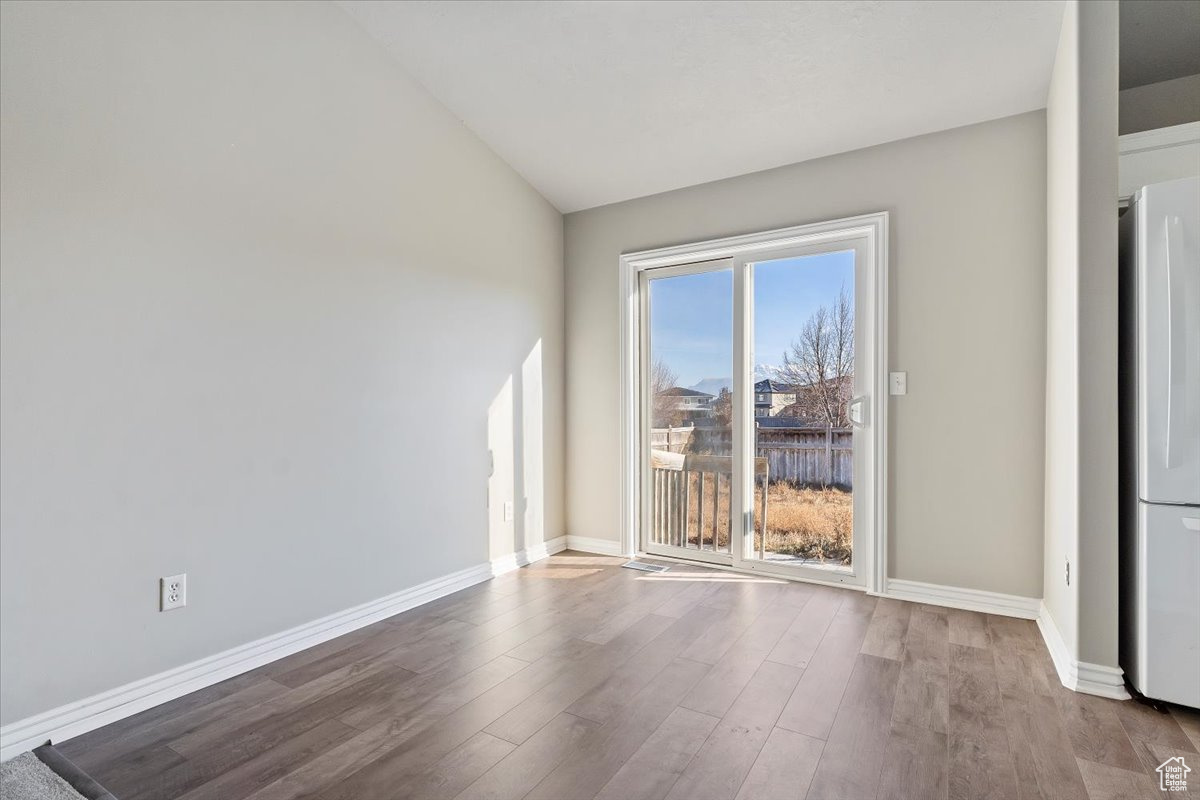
point(597, 102)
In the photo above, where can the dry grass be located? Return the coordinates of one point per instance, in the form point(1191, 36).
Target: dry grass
point(809, 523)
point(814, 524)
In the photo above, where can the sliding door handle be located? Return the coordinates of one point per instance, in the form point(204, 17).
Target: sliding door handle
point(857, 411)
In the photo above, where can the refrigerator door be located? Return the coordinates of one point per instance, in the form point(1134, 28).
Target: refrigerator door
point(1168, 604)
point(1168, 341)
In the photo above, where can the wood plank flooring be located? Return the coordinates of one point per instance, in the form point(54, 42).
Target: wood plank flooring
point(573, 679)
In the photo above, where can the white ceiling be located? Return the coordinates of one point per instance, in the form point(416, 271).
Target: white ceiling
point(596, 102)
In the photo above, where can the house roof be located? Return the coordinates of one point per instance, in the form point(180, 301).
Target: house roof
point(788, 422)
point(679, 391)
point(768, 385)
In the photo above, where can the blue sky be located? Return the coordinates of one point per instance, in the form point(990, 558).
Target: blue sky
point(691, 316)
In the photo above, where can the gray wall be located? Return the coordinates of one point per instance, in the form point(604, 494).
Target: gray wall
point(262, 297)
point(968, 256)
point(1098, 545)
point(1160, 105)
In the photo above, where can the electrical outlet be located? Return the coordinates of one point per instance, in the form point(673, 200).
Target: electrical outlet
point(508, 510)
point(172, 592)
point(898, 383)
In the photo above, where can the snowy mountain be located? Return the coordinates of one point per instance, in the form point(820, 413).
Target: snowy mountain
point(714, 386)
point(771, 371)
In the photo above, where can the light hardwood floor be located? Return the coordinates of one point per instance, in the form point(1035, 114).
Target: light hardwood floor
point(573, 678)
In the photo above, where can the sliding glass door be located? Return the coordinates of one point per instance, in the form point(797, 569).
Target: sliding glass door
point(688, 465)
point(806, 421)
point(756, 449)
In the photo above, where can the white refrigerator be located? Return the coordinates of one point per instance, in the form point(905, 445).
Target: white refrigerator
point(1160, 552)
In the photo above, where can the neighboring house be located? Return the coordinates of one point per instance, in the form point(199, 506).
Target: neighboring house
point(771, 397)
point(690, 403)
point(810, 406)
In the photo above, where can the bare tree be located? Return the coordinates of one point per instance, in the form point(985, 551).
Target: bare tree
point(723, 408)
point(662, 379)
point(820, 362)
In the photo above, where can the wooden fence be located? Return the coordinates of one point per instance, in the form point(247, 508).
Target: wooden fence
point(673, 440)
point(809, 456)
point(804, 456)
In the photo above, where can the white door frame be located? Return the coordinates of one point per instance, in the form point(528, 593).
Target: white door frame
point(871, 228)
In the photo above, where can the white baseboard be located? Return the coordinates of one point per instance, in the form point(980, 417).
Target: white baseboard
point(93, 712)
point(586, 544)
point(1079, 676)
point(1007, 605)
point(529, 555)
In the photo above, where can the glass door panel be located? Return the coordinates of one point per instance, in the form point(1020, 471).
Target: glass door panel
point(688, 463)
point(803, 368)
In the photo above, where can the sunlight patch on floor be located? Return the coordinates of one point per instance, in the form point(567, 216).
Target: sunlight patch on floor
point(559, 573)
point(707, 577)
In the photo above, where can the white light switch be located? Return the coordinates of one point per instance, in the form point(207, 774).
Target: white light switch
point(898, 383)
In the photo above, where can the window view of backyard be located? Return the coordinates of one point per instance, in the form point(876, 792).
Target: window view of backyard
point(803, 343)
